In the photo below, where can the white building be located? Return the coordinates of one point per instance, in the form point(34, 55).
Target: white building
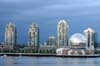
point(62, 34)
point(10, 36)
point(90, 37)
point(62, 51)
point(33, 35)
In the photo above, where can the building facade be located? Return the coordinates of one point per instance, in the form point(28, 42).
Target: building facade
point(33, 36)
point(90, 37)
point(10, 36)
point(62, 34)
point(51, 42)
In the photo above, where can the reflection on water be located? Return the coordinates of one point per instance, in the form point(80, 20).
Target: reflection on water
point(47, 61)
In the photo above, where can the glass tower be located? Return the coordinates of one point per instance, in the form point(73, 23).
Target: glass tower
point(62, 34)
point(90, 38)
point(33, 35)
point(10, 36)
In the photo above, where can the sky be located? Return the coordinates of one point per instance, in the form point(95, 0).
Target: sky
point(79, 14)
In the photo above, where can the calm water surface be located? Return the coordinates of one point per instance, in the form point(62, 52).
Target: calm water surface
point(48, 61)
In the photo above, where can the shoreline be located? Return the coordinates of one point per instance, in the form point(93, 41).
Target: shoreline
point(47, 55)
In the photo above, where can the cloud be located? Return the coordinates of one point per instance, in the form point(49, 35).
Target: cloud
point(52, 8)
point(40, 9)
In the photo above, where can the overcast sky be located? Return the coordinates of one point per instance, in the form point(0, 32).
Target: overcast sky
point(79, 14)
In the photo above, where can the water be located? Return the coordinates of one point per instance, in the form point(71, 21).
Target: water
point(48, 61)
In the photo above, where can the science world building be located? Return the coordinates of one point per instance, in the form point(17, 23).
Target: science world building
point(79, 44)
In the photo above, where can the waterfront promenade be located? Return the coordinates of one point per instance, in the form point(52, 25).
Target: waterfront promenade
point(27, 54)
point(47, 55)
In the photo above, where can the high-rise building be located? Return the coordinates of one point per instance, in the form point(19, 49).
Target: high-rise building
point(10, 36)
point(62, 34)
point(33, 36)
point(51, 42)
point(90, 38)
